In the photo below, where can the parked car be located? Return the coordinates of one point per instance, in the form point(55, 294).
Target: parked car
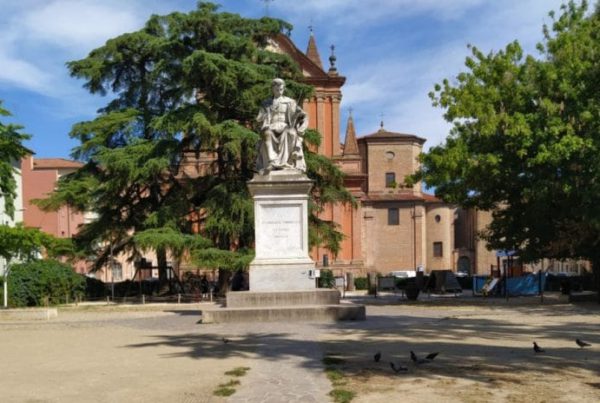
point(403, 273)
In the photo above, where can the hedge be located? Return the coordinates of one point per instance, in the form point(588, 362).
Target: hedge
point(30, 284)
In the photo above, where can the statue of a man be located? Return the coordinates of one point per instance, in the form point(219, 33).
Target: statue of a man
point(283, 124)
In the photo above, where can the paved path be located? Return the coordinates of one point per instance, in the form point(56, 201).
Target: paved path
point(286, 369)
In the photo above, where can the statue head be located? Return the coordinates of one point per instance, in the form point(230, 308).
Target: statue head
point(278, 86)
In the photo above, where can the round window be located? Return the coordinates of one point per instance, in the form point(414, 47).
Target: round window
point(390, 155)
point(437, 218)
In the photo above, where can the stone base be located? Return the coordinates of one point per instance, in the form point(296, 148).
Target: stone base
point(277, 275)
point(285, 314)
point(285, 306)
point(252, 299)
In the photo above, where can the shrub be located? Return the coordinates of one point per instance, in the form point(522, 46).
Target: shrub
point(401, 282)
point(29, 284)
point(361, 283)
point(326, 280)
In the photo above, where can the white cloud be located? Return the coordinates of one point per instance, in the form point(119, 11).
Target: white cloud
point(361, 12)
point(397, 83)
point(80, 23)
point(20, 73)
point(37, 38)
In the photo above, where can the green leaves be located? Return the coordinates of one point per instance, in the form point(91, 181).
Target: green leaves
point(170, 154)
point(34, 283)
point(24, 244)
point(169, 239)
point(526, 140)
point(11, 152)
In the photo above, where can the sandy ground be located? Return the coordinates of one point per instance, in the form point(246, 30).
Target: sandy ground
point(161, 354)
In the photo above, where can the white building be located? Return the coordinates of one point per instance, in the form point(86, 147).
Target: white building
point(6, 219)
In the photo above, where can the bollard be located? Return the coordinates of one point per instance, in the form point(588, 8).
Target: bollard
point(143, 299)
point(350, 281)
point(178, 299)
point(107, 300)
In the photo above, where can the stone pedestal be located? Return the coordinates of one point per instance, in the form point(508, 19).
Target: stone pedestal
point(282, 261)
point(281, 287)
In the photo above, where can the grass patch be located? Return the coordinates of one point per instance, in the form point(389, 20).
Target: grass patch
point(228, 388)
point(221, 391)
point(342, 395)
point(239, 371)
point(335, 376)
point(231, 383)
point(330, 360)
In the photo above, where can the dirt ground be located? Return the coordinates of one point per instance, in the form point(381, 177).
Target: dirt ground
point(161, 353)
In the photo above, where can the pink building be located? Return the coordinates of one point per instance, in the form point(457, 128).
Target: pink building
point(39, 180)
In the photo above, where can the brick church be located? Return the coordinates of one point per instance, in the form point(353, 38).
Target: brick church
point(394, 227)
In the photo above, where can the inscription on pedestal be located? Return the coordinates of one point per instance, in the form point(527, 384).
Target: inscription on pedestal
point(281, 231)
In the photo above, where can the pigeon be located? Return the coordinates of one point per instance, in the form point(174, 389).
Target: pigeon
point(582, 343)
point(225, 340)
point(425, 360)
point(431, 356)
point(537, 348)
point(398, 368)
point(377, 356)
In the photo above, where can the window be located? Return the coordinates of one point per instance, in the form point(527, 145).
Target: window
point(437, 218)
point(393, 216)
point(390, 180)
point(438, 249)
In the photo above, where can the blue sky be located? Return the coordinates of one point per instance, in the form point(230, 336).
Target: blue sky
point(391, 51)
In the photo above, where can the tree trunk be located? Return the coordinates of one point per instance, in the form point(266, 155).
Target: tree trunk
point(596, 274)
point(161, 261)
point(224, 281)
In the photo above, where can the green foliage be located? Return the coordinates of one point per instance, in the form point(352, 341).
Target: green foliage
point(223, 391)
point(223, 259)
point(526, 141)
point(361, 283)
point(238, 371)
point(342, 395)
point(24, 244)
point(338, 379)
point(170, 239)
point(327, 280)
point(186, 84)
point(11, 152)
point(31, 283)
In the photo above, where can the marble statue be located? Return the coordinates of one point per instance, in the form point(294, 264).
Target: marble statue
point(283, 124)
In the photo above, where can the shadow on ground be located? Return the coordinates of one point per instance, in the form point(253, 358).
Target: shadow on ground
point(472, 340)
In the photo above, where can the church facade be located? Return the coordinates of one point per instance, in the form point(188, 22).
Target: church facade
point(394, 226)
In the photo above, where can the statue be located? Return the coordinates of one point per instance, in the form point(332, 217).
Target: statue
point(283, 124)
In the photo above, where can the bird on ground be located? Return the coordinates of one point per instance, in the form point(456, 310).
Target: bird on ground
point(537, 348)
point(398, 368)
point(425, 360)
point(431, 356)
point(226, 340)
point(377, 356)
point(582, 343)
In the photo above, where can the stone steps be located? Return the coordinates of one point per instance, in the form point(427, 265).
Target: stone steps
point(294, 313)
